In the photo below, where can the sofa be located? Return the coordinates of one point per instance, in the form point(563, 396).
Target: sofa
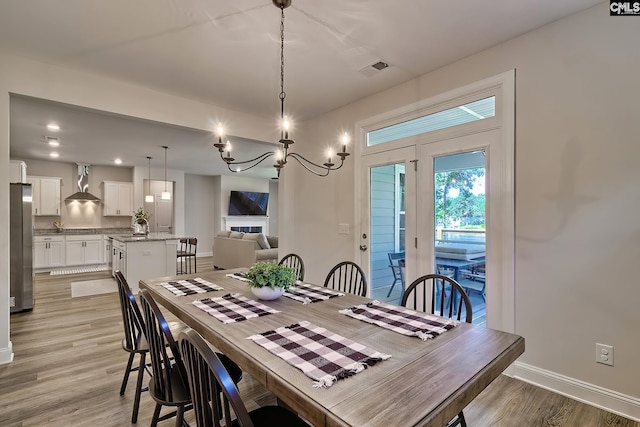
point(234, 249)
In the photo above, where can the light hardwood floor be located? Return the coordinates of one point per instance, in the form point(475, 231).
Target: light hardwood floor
point(69, 363)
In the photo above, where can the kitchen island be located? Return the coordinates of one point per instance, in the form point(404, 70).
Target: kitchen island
point(144, 257)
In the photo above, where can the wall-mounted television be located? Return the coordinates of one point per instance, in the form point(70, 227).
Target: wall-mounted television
point(248, 203)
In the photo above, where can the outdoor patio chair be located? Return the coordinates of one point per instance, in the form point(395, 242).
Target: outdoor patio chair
point(474, 280)
point(396, 263)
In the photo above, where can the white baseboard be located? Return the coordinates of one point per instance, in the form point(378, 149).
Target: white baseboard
point(6, 354)
point(581, 391)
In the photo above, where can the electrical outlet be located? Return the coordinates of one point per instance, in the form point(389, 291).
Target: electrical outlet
point(604, 354)
point(12, 301)
point(343, 228)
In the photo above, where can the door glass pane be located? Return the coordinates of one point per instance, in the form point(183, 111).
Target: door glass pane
point(460, 225)
point(387, 229)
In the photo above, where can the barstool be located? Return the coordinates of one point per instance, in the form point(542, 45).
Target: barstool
point(186, 254)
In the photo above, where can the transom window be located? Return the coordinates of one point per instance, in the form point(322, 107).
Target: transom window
point(471, 112)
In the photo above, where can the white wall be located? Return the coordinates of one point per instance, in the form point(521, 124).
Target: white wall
point(199, 208)
point(140, 173)
point(27, 77)
point(273, 207)
point(577, 199)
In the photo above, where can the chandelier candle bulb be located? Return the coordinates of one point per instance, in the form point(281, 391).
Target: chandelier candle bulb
point(219, 145)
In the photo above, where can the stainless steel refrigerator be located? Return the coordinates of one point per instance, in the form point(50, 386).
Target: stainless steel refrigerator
point(21, 246)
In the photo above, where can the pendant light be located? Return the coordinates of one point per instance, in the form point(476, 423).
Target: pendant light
point(149, 197)
point(165, 194)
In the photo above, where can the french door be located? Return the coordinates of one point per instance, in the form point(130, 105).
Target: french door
point(398, 216)
point(388, 221)
point(455, 222)
point(477, 118)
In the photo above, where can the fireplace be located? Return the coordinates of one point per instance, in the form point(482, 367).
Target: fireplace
point(248, 228)
point(247, 224)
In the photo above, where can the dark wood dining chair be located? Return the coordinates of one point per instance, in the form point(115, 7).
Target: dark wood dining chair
point(208, 378)
point(169, 385)
point(186, 256)
point(294, 261)
point(347, 276)
point(134, 341)
point(439, 286)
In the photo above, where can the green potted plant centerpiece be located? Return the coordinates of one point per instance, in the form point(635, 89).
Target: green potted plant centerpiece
point(269, 280)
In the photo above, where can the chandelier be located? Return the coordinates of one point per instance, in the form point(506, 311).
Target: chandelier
point(282, 153)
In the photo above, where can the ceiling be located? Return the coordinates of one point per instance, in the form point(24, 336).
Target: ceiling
point(226, 53)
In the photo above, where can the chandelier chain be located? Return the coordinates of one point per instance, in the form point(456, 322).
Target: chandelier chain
point(283, 95)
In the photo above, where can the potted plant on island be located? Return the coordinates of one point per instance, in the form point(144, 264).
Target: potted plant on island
point(141, 222)
point(269, 280)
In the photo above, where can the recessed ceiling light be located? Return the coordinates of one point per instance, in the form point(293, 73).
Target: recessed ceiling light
point(54, 127)
point(52, 141)
point(54, 154)
point(117, 161)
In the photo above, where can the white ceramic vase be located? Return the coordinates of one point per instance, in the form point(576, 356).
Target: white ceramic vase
point(267, 293)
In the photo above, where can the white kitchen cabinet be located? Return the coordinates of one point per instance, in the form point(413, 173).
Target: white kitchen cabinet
point(118, 198)
point(17, 171)
point(108, 246)
point(84, 249)
point(46, 195)
point(48, 251)
point(119, 258)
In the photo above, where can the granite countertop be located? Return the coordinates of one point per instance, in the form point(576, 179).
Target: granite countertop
point(151, 237)
point(77, 231)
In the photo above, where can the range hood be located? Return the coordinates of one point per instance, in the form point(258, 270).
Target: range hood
point(83, 186)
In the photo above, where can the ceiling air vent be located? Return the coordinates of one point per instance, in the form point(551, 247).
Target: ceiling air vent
point(374, 68)
point(380, 65)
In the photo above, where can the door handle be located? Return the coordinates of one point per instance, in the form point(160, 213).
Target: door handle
point(363, 248)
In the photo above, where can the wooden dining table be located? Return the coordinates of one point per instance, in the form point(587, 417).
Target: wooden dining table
point(424, 383)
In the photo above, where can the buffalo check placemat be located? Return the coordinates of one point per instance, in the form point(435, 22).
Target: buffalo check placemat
point(401, 320)
point(309, 293)
point(190, 286)
point(322, 355)
point(233, 308)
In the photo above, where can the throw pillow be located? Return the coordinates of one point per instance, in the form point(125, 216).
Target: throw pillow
point(236, 234)
point(254, 237)
point(273, 241)
point(263, 242)
point(223, 233)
